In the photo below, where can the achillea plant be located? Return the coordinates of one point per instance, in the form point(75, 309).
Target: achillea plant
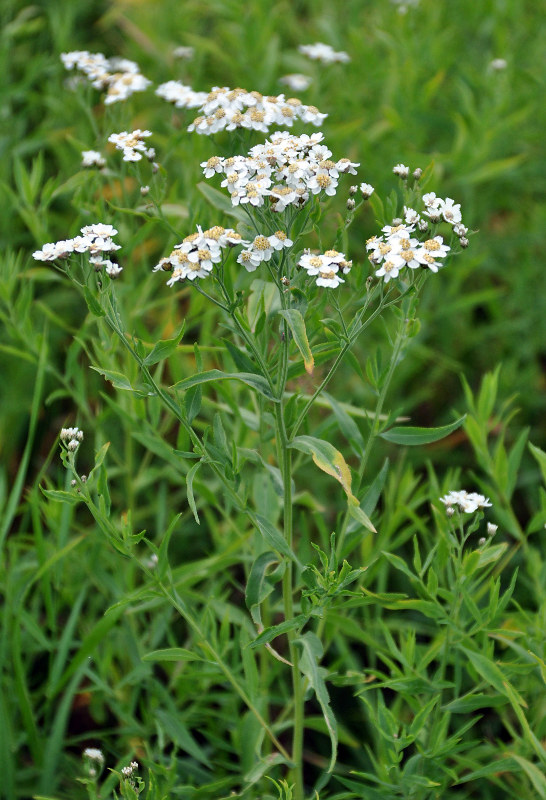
point(291, 308)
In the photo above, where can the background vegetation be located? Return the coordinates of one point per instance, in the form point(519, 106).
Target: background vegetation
point(419, 89)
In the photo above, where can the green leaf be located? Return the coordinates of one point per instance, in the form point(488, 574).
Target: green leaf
point(117, 379)
point(189, 488)
point(70, 498)
point(258, 586)
point(221, 202)
point(297, 327)
point(415, 436)
point(273, 537)
point(490, 672)
point(347, 425)
point(275, 630)
point(309, 665)
point(92, 303)
point(330, 460)
point(540, 457)
point(163, 349)
point(180, 735)
point(464, 705)
point(257, 382)
point(326, 457)
point(171, 654)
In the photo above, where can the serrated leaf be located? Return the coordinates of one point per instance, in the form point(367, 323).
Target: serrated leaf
point(117, 379)
point(162, 349)
point(70, 498)
point(296, 324)
point(407, 435)
point(256, 382)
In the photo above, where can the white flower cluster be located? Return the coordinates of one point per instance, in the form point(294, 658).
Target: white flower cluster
point(469, 502)
point(397, 248)
point(229, 109)
point(180, 95)
point(261, 249)
point(195, 256)
point(93, 753)
point(133, 145)
point(323, 52)
point(296, 82)
point(72, 438)
point(129, 771)
point(287, 169)
point(119, 76)
point(95, 239)
point(92, 158)
point(326, 267)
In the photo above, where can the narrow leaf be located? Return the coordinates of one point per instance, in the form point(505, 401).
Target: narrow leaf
point(275, 630)
point(297, 327)
point(171, 654)
point(189, 488)
point(256, 382)
point(273, 537)
point(415, 436)
point(309, 665)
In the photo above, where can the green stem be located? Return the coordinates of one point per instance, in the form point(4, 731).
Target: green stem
point(285, 463)
point(400, 340)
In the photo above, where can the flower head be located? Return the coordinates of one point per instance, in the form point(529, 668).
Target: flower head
point(324, 53)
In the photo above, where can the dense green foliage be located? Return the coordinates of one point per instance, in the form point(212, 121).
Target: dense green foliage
point(431, 650)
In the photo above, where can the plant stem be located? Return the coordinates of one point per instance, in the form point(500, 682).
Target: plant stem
point(285, 463)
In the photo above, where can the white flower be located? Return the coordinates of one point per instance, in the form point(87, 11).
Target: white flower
point(328, 277)
point(467, 502)
point(250, 259)
point(325, 267)
point(112, 269)
point(279, 240)
point(391, 267)
point(366, 189)
point(491, 529)
point(132, 144)
point(411, 217)
point(183, 52)
point(450, 211)
point(94, 754)
point(401, 170)
point(119, 76)
point(323, 52)
point(430, 250)
point(53, 250)
point(296, 82)
point(92, 158)
point(99, 229)
point(498, 64)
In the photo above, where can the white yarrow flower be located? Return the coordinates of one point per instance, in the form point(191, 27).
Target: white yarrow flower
point(92, 158)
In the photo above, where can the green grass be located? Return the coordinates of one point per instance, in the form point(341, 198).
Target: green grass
point(432, 659)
